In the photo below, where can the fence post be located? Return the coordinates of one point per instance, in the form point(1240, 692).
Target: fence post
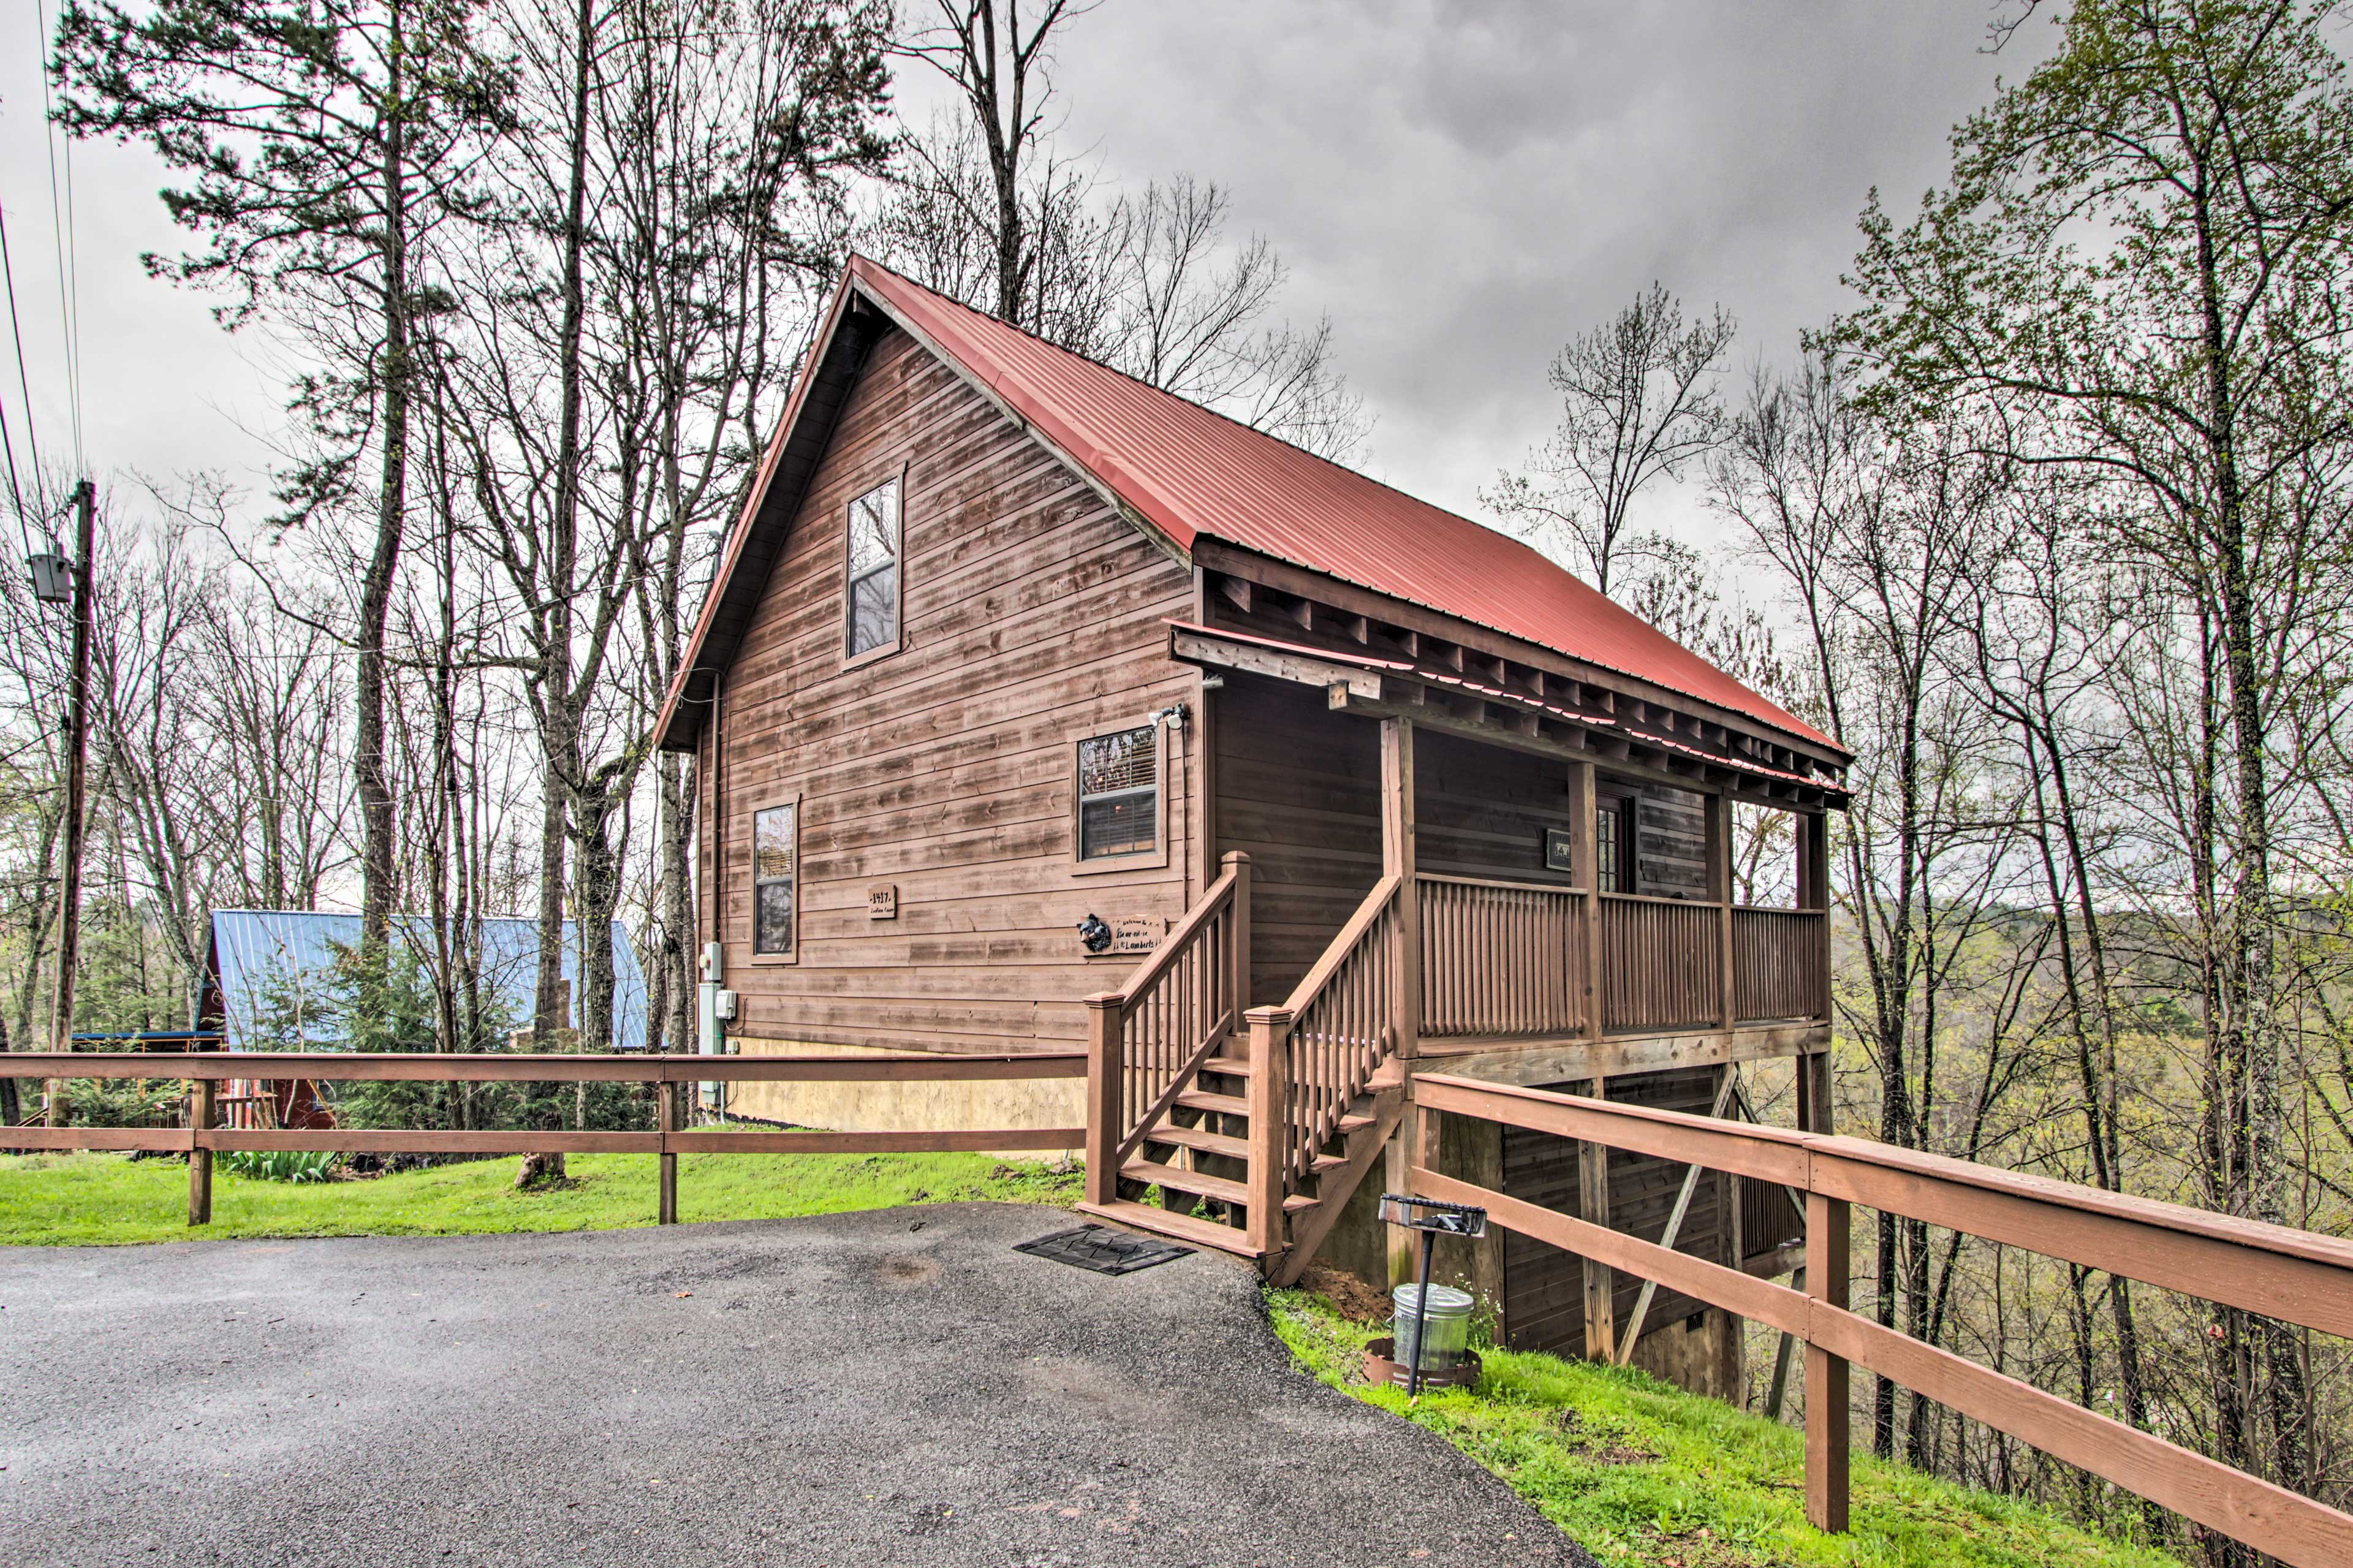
point(1593, 1208)
point(1828, 1234)
point(1104, 1071)
point(666, 1114)
point(200, 1160)
point(1270, 1116)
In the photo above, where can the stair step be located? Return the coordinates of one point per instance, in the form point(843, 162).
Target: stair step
point(1180, 1226)
point(1197, 1138)
point(1224, 1189)
point(1232, 1066)
point(1202, 1100)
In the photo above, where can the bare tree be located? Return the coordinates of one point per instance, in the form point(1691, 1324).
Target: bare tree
point(1639, 404)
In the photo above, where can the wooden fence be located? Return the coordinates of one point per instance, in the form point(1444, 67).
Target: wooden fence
point(202, 1136)
point(2292, 1275)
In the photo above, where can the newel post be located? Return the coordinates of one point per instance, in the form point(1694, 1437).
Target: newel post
point(1105, 1016)
point(1270, 1118)
point(1828, 1238)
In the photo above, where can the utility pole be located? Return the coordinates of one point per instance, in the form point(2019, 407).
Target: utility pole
point(85, 626)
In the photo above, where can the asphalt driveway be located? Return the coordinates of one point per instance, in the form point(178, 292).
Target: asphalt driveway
point(890, 1388)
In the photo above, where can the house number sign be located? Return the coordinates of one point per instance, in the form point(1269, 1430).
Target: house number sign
point(882, 902)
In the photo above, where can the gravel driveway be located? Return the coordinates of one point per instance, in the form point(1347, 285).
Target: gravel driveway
point(888, 1388)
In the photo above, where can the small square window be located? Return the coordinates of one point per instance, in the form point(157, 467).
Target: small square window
point(775, 877)
point(872, 597)
point(1119, 793)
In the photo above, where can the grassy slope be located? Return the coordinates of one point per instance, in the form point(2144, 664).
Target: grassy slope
point(96, 1199)
point(1640, 1472)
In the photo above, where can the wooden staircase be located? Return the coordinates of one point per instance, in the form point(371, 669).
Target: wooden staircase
point(1250, 1128)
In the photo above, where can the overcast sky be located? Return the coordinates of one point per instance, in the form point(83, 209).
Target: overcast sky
point(1459, 184)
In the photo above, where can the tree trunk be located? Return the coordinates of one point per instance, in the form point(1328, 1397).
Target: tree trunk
point(378, 864)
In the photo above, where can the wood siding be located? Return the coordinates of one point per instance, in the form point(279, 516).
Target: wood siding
point(1031, 616)
point(1544, 1287)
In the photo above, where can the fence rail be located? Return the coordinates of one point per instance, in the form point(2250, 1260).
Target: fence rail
point(204, 1071)
point(1500, 958)
point(1661, 962)
point(2295, 1276)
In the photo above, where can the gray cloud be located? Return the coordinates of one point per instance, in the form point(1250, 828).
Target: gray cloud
point(1460, 185)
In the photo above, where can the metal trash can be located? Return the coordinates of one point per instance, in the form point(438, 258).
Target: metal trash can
point(1449, 1325)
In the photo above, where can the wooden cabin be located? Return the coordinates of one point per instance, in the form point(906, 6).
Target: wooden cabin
point(1037, 709)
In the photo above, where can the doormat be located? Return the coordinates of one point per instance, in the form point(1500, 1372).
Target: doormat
point(1105, 1251)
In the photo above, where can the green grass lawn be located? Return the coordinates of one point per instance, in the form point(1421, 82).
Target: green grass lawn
point(102, 1199)
point(1640, 1472)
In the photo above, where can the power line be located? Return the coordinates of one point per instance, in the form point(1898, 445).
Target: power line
point(32, 435)
point(61, 222)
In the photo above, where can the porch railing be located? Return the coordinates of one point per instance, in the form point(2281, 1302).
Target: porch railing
point(1149, 1039)
point(1500, 958)
point(1780, 968)
point(1663, 963)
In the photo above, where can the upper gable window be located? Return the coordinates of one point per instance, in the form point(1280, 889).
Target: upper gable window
point(871, 602)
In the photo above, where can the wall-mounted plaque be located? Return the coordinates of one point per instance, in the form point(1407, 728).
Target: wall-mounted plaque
point(882, 902)
point(1137, 934)
point(1556, 849)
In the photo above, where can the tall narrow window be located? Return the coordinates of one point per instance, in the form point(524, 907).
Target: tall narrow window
point(1608, 847)
point(872, 607)
point(1119, 793)
point(775, 877)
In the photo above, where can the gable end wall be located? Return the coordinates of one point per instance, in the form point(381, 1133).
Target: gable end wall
point(1032, 617)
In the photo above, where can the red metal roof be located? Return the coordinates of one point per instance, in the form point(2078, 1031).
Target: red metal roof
point(1191, 472)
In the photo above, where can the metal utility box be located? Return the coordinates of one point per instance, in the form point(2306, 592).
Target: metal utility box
point(53, 578)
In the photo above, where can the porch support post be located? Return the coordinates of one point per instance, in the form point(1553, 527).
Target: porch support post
point(1404, 1150)
point(1593, 1207)
point(1270, 1116)
point(1103, 1098)
point(1814, 894)
point(1719, 887)
point(1584, 838)
point(1398, 861)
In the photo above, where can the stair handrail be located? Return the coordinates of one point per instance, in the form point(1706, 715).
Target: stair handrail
point(1315, 1107)
point(1117, 1118)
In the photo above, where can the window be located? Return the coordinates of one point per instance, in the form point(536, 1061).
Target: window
point(1610, 846)
point(775, 877)
point(1119, 793)
point(872, 598)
